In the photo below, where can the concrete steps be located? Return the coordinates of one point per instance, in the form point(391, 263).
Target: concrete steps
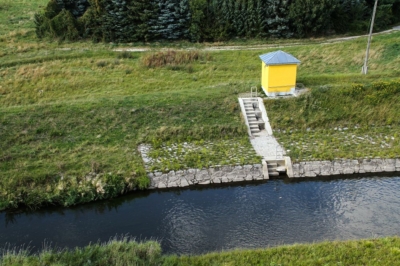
point(272, 169)
point(253, 115)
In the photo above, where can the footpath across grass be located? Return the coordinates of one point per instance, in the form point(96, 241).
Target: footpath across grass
point(383, 251)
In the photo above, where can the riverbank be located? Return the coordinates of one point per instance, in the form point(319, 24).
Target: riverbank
point(246, 173)
point(72, 115)
point(383, 251)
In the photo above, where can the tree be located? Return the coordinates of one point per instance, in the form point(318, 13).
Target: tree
point(277, 14)
point(173, 20)
point(311, 17)
point(350, 15)
point(140, 13)
point(197, 20)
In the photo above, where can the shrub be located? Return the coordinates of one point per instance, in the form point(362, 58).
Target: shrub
point(173, 59)
point(353, 91)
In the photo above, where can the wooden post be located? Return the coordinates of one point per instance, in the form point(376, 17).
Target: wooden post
point(364, 69)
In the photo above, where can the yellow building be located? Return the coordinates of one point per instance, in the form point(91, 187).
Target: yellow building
point(278, 74)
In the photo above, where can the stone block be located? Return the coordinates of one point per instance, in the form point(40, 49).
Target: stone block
point(173, 179)
point(216, 180)
point(173, 184)
point(224, 179)
point(206, 182)
point(238, 172)
point(238, 179)
point(230, 177)
point(397, 164)
point(247, 167)
point(326, 168)
point(217, 174)
point(202, 175)
point(377, 163)
point(161, 185)
point(226, 169)
point(310, 170)
point(257, 166)
point(389, 165)
point(248, 178)
point(296, 170)
point(184, 183)
point(171, 173)
point(301, 169)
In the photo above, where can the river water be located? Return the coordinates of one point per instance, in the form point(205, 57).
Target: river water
point(200, 220)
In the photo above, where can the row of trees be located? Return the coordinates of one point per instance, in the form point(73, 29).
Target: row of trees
point(208, 20)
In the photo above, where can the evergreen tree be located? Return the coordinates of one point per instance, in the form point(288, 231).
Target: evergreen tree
point(173, 20)
point(76, 7)
point(116, 25)
point(198, 20)
point(349, 15)
point(277, 14)
point(311, 17)
point(140, 13)
point(238, 18)
point(251, 19)
point(260, 19)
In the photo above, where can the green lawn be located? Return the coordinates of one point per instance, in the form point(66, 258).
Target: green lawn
point(73, 114)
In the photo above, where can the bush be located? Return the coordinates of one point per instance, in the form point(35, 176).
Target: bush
point(354, 90)
point(173, 59)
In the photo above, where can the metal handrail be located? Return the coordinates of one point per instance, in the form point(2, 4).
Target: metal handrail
point(255, 90)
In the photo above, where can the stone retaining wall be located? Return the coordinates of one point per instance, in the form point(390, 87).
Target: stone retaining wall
point(340, 167)
point(216, 175)
point(226, 174)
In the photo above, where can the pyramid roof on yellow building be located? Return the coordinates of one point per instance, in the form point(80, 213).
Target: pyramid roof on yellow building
point(279, 58)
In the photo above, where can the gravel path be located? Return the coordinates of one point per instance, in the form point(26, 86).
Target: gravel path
point(255, 47)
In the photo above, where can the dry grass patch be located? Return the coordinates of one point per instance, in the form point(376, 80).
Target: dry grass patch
point(173, 58)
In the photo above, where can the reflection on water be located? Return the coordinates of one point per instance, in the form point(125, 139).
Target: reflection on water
point(224, 217)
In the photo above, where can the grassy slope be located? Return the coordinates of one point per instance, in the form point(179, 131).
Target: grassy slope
point(67, 109)
point(384, 251)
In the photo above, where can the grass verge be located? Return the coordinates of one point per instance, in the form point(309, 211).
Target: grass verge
point(382, 251)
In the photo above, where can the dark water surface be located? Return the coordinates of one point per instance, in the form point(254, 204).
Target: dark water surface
point(218, 218)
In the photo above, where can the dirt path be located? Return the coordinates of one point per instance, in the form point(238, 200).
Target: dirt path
point(260, 46)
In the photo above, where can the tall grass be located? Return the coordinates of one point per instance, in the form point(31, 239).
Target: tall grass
point(173, 58)
point(382, 251)
point(115, 252)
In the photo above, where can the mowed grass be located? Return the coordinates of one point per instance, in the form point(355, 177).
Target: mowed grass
point(73, 114)
point(383, 251)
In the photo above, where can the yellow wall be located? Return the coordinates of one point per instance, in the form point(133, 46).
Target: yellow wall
point(278, 78)
point(264, 75)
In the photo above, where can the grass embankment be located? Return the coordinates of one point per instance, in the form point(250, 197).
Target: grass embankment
point(383, 251)
point(345, 121)
point(73, 114)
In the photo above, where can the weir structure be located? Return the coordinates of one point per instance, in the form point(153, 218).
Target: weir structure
point(264, 143)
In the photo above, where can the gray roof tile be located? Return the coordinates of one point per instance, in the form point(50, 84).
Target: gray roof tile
point(279, 58)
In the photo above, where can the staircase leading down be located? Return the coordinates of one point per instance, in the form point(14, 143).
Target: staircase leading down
point(261, 137)
point(253, 115)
